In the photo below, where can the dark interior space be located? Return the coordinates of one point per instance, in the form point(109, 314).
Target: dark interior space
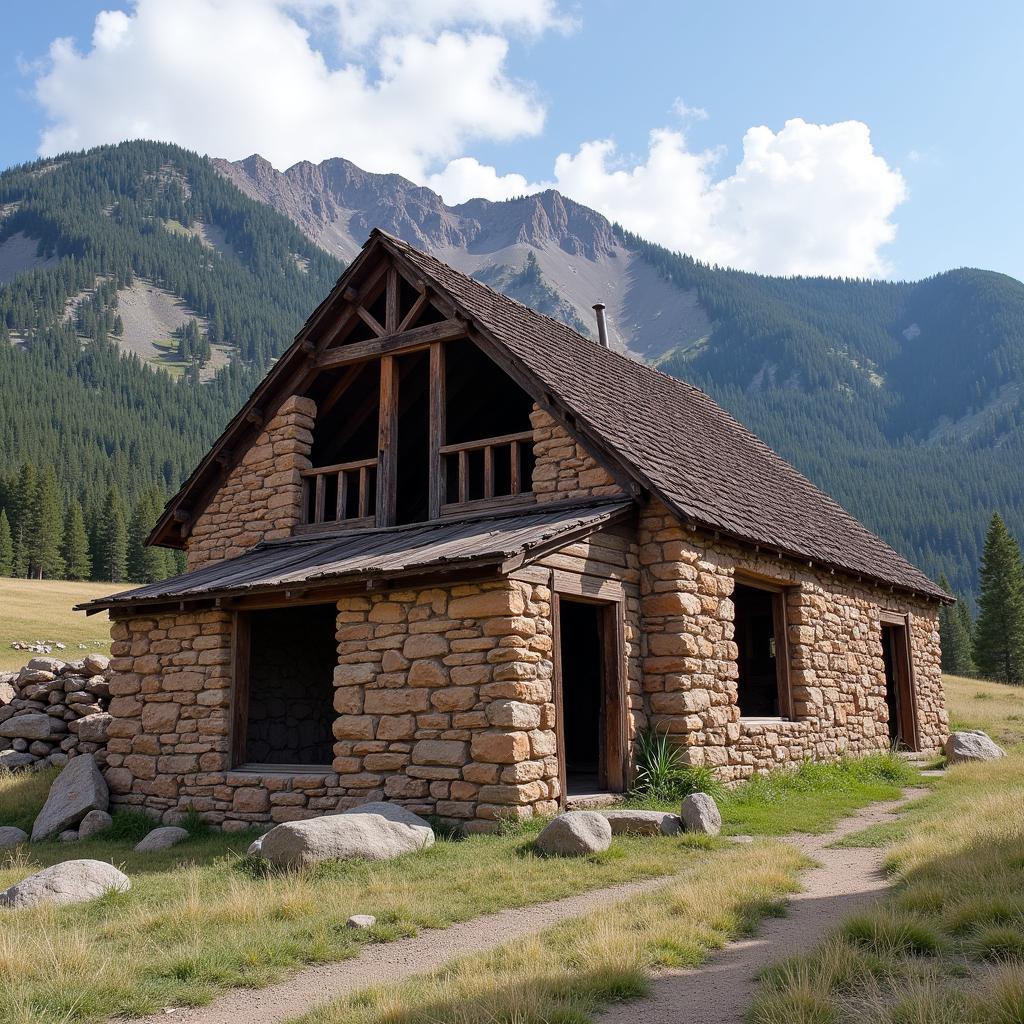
point(582, 660)
point(412, 503)
point(891, 637)
point(291, 686)
point(755, 637)
point(346, 430)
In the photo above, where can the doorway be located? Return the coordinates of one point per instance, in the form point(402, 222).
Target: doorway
point(588, 697)
point(899, 697)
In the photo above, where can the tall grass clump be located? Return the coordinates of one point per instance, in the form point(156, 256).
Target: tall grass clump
point(662, 777)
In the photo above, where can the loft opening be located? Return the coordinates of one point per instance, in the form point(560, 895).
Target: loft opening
point(763, 661)
point(588, 699)
point(488, 438)
point(284, 686)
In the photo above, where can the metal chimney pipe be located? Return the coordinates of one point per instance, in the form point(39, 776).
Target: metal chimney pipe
point(602, 326)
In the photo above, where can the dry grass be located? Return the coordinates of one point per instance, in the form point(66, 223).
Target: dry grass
point(948, 944)
point(566, 973)
point(42, 610)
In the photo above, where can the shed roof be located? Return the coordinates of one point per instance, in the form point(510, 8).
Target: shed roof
point(365, 554)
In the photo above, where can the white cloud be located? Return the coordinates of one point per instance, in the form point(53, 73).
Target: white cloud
point(687, 113)
point(808, 199)
point(467, 178)
point(230, 77)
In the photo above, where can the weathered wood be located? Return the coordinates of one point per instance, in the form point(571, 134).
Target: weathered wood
point(371, 321)
point(438, 480)
point(341, 497)
point(407, 341)
point(489, 471)
point(516, 484)
point(240, 667)
point(391, 302)
point(387, 443)
point(487, 442)
point(414, 311)
point(318, 501)
point(463, 476)
point(364, 492)
point(558, 697)
point(345, 381)
point(338, 467)
point(782, 654)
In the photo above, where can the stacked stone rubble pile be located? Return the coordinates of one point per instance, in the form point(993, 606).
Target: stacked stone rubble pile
point(53, 710)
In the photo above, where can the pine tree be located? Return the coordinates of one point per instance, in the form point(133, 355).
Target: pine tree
point(956, 628)
point(47, 530)
point(146, 564)
point(999, 633)
point(113, 539)
point(78, 564)
point(22, 520)
point(6, 545)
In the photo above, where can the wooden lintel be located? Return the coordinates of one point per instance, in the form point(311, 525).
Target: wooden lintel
point(406, 341)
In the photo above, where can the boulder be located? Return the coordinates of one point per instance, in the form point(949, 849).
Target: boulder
point(393, 812)
point(11, 836)
point(11, 759)
point(162, 838)
point(643, 823)
point(95, 664)
point(54, 665)
point(33, 726)
point(355, 833)
point(255, 847)
point(79, 789)
point(69, 835)
point(71, 881)
point(971, 745)
point(93, 822)
point(93, 728)
point(361, 921)
point(7, 692)
point(575, 834)
point(700, 814)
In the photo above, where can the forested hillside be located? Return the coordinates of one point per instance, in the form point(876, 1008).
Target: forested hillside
point(145, 295)
point(114, 430)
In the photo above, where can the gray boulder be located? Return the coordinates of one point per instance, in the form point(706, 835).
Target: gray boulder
point(255, 847)
point(643, 823)
point(162, 838)
point(54, 665)
point(393, 812)
point(93, 822)
point(71, 881)
point(79, 789)
point(972, 745)
point(11, 836)
point(93, 728)
point(69, 835)
point(575, 834)
point(700, 814)
point(95, 664)
point(11, 759)
point(33, 726)
point(355, 833)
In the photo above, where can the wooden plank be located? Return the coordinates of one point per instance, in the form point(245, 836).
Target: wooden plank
point(371, 321)
point(338, 467)
point(460, 508)
point(463, 477)
point(364, 493)
point(489, 471)
point(341, 498)
point(588, 586)
point(240, 659)
point(556, 691)
point(407, 341)
point(391, 302)
point(614, 699)
point(318, 505)
point(387, 443)
point(782, 666)
point(305, 502)
point(438, 480)
point(414, 311)
point(487, 442)
point(514, 468)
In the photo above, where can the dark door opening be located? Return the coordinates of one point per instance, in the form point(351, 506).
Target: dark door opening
point(588, 697)
point(758, 682)
point(285, 686)
point(898, 696)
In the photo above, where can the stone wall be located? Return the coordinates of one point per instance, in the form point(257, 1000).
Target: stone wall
point(836, 668)
point(261, 498)
point(563, 468)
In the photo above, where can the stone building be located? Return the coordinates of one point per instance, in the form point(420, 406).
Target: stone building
point(452, 553)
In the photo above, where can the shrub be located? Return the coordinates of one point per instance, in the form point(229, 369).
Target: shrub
point(887, 933)
point(661, 774)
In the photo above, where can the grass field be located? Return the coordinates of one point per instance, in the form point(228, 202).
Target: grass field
point(42, 610)
point(947, 947)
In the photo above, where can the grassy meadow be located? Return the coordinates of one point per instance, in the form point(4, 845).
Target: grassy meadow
point(33, 610)
point(947, 945)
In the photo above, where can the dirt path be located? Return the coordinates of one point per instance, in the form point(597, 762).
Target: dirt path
point(716, 993)
point(846, 882)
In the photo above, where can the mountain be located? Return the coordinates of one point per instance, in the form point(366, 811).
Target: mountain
point(904, 400)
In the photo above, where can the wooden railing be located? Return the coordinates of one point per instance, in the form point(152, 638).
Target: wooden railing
point(329, 491)
point(492, 449)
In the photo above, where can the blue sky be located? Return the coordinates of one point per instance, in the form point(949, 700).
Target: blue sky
point(926, 178)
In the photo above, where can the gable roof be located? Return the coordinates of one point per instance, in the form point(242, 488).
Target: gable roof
point(417, 549)
point(666, 434)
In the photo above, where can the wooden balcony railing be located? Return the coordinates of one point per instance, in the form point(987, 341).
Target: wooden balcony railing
point(489, 470)
point(343, 493)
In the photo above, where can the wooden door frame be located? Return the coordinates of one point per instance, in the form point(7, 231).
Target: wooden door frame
point(240, 665)
point(897, 625)
point(613, 739)
point(780, 628)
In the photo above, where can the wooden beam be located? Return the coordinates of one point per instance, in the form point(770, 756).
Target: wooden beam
point(387, 440)
point(371, 321)
point(417, 307)
point(407, 341)
point(391, 303)
point(240, 649)
point(438, 481)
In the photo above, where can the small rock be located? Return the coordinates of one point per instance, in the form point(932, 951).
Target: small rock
point(93, 822)
point(71, 881)
point(643, 823)
point(361, 921)
point(78, 790)
point(95, 664)
point(162, 838)
point(12, 759)
point(700, 814)
point(7, 693)
point(69, 835)
point(970, 745)
point(53, 665)
point(575, 834)
point(11, 836)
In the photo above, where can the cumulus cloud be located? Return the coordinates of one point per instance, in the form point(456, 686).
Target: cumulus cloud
point(808, 199)
point(230, 77)
point(467, 178)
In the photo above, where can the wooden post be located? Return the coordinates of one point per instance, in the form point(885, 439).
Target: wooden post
point(240, 681)
point(387, 443)
point(438, 481)
point(391, 302)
